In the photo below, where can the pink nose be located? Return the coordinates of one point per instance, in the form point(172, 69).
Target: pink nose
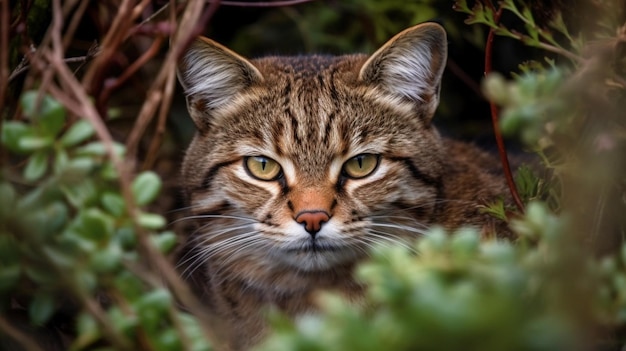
point(312, 220)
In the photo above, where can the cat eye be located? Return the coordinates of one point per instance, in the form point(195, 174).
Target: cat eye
point(360, 166)
point(262, 168)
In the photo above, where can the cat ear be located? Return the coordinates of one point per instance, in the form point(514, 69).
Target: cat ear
point(410, 65)
point(211, 76)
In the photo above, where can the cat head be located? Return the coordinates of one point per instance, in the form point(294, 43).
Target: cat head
point(305, 162)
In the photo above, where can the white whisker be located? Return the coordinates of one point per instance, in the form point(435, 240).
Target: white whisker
point(212, 216)
point(392, 240)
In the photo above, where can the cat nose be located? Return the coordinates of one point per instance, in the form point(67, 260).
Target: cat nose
point(312, 220)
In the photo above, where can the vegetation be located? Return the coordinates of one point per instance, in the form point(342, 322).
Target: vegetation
point(91, 138)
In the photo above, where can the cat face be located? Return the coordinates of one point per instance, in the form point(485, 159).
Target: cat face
point(304, 163)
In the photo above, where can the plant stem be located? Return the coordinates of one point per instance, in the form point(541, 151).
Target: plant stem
point(496, 123)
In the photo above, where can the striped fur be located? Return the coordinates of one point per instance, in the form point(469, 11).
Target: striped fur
point(312, 114)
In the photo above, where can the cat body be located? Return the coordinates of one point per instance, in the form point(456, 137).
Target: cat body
point(302, 164)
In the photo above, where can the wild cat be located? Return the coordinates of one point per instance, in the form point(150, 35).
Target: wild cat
point(301, 164)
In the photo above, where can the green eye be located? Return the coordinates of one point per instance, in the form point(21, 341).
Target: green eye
point(360, 166)
point(262, 168)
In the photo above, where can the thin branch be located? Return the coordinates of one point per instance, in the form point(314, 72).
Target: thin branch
point(113, 84)
point(110, 46)
point(545, 46)
point(166, 103)
point(4, 50)
point(78, 59)
point(496, 123)
point(26, 341)
point(73, 25)
point(262, 4)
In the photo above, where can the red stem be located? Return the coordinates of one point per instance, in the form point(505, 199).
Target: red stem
point(496, 122)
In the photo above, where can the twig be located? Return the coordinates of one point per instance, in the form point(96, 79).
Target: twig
point(81, 59)
point(155, 143)
point(261, 4)
point(76, 18)
point(496, 123)
point(548, 47)
point(26, 341)
point(4, 51)
point(110, 44)
point(113, 84)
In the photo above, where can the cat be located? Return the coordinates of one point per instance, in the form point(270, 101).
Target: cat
point(301, 164)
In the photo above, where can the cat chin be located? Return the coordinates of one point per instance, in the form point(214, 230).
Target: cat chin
point(315, 260)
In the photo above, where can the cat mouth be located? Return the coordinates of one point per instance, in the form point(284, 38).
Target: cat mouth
point(314, 246)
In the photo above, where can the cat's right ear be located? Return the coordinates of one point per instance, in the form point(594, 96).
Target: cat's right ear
point(410, 66)
point(212, 76)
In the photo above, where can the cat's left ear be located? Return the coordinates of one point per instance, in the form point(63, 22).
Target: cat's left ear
point(410, 66)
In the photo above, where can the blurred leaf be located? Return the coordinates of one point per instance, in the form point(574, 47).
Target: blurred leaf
point(107, 259)
point(12, 133)
point(77, 133)
point(41, 308)
point(114, 203)
point(150, 220)
point(95, 225)
point(9, 276)
point(49, 116)
point(146, 187)
point(88, 331)
point(28, 142)
point(76, 169)
point(7, 201)
point(165, 241)
point(98, 148)
point(80, 193)
point(36, 166)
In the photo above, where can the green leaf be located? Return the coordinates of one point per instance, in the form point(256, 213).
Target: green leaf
point(88, 331)
point(461, 6)
point(157, 300)
point(113, 203)
point(146, 187)
point(77, 133)
point(7, 200)
point(49, 116)
point(9, 276)
point(151, 221)
point(165, 241)
point(98, 148)
point(12, 133)
point(95, 225)
point(41, 308)
point(29, 142)
point(61, 259)
point(61, 161)
point(76, 169)
point(152, 306)
point(80, 193)
point(36, 166)
point(108, 259)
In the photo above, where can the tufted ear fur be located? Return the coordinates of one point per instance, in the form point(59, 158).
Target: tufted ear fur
point(211, 76)
point(410, 65)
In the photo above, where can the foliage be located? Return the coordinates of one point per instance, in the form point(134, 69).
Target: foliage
point(66, 229)
point(455, 293)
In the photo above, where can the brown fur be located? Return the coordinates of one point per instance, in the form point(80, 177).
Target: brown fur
point(312, 114)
